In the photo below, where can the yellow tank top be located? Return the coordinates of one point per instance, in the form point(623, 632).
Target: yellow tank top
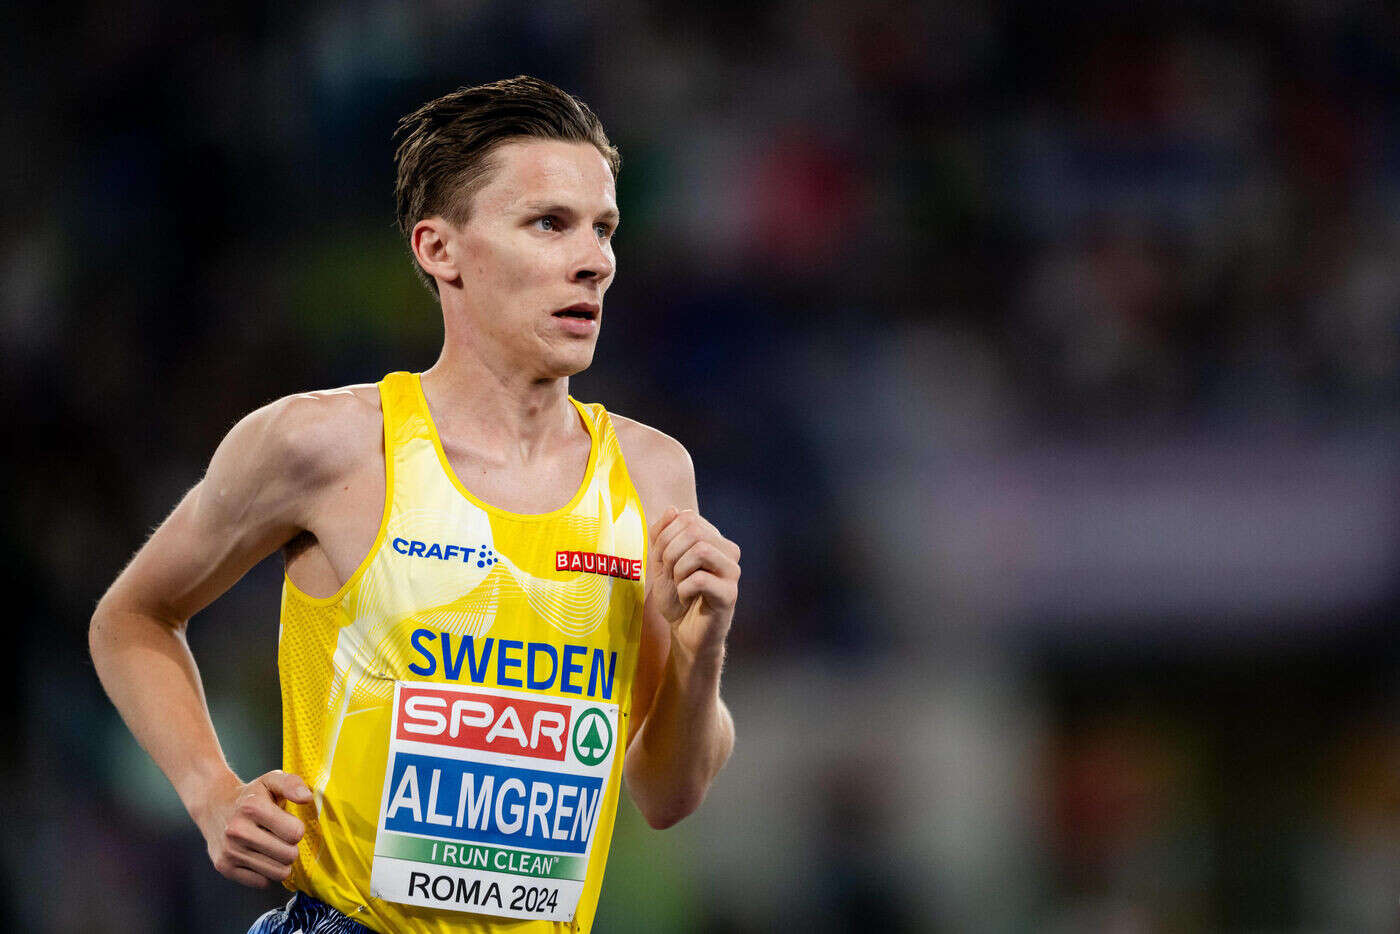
point(459, 707)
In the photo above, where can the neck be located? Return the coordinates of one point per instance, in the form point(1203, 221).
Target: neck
point(503, 412)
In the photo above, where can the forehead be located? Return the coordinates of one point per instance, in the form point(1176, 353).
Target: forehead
point(575, 174)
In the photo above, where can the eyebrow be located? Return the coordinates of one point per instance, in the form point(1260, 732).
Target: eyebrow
point(550, 207)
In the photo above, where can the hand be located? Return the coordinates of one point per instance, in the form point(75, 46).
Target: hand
point(250, 838)
point(695, 578)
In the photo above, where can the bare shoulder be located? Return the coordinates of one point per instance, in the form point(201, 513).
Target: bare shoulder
point(660, 466)
point(301, 441)
point(328, 429)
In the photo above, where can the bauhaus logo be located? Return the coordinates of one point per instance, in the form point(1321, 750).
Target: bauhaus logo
point(593, 562)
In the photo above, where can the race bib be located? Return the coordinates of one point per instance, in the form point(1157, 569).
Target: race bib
point(491, 799)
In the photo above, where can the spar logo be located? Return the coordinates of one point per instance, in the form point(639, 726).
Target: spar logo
point(470, 720)
point(593, 737)
point(593, 562)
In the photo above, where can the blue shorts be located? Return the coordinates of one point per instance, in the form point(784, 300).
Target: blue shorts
point(306, 915)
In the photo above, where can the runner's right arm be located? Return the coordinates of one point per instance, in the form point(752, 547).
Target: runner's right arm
point(251, 501)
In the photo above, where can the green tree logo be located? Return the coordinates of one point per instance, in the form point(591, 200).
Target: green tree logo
point(593, 736)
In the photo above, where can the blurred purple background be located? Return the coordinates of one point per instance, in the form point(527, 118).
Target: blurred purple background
point(1045, 362)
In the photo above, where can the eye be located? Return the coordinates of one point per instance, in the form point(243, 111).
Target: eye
point(548, 222)
point(604, 231)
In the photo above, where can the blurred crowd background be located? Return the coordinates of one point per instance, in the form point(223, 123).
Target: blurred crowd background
point(1044, 360)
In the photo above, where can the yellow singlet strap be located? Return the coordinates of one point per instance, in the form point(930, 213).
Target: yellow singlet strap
point(404, 419)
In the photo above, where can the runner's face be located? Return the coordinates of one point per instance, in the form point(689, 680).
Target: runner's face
point(537, 254)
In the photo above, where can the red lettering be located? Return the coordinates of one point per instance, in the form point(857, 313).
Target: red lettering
point(595, 562)
point(484, 721)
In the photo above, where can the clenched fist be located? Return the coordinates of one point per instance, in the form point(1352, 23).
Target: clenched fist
point(250, 838)
point(695, 578)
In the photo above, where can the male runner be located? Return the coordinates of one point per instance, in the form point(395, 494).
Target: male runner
point(467, 633)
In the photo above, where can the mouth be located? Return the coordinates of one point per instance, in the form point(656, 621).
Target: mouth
point(583, 311)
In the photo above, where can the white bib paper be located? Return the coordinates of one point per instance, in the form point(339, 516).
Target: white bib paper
point(491, 799)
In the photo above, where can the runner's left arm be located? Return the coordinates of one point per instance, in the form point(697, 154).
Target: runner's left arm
point(686, 732)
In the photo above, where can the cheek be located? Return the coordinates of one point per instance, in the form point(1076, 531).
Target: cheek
point(493, 261)
point(520, 268)
point(477, 258)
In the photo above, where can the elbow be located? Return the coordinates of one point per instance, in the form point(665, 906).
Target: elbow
point(97, 631)
point(663, 821)
point(108, 629)
point(665, 818)
point(670, 809)
point(104, 637)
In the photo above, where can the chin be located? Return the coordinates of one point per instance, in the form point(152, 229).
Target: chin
point(568, 364)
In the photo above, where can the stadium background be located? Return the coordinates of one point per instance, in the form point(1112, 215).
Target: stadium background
point(1045, 362)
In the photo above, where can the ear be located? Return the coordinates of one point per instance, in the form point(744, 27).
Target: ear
point(432, 247)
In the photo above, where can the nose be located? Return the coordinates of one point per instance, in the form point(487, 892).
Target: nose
point(594, 260)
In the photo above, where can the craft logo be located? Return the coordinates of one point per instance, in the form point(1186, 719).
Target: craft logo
point(593, 738)
point(469, 720)
point(592, 562)
point(483, 556)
